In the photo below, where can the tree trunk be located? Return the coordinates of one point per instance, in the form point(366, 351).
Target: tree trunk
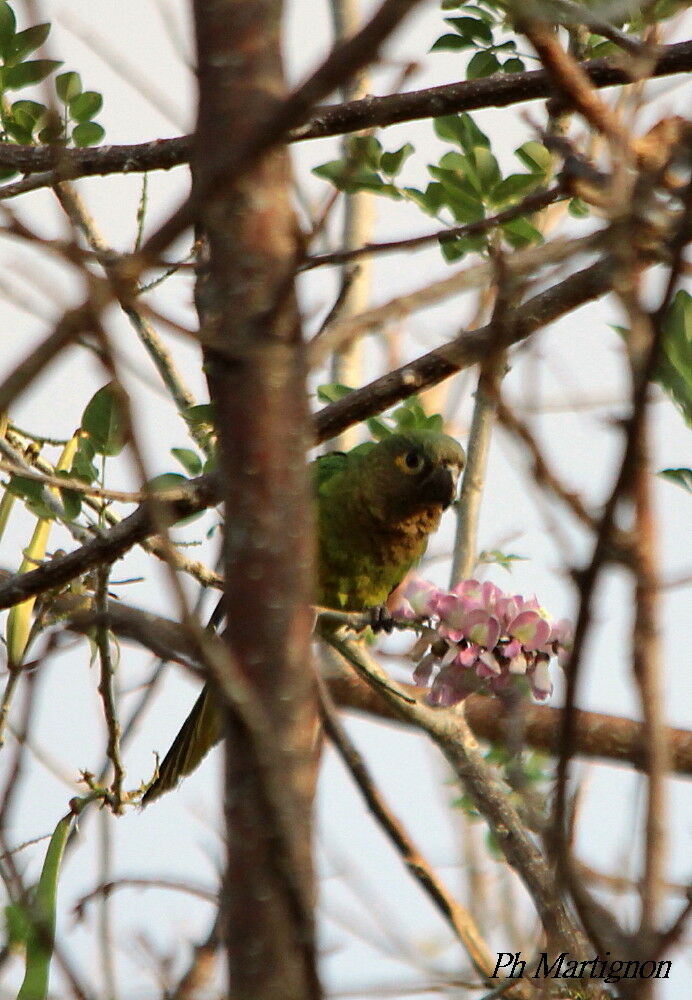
point(255, 369)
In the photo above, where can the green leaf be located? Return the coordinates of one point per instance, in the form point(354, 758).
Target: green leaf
point(469, 27)
point(462, 130)
point(460, 171)
point(364, 150)
point(674, 369)
point(102, 421)
point(465, 209)
point(330, 392)
point(83, 464)
point(28, 113)
point(349, 178)
point(411, 415)
point(391, 163)
point(461, 199)
point(172, 481)
point(166, 481)
point(17, 925)
point(681, 477)
point(513, 65)
point(485, 15)
point(189, 460)
point(71, 500)
point(431, 200)
point(201, 416)
point(578, 208)
point(600, 47)
point(503, 559)
point(8, 26)
point(452, 43)
point(535, 156)
point(514, 186)
point(52, 134)
point(378, 428)
point(42, 916)
point(68, 86)
point(84, 106)
point(482, 64)
point(87, 134)
point(31, 492)
point(27, 41)
point(17, 132)
point(455, 249)
point(26, 73)
point(486, 168)
point(520, 233)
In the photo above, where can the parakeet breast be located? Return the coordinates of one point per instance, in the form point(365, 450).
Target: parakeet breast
point(371, 560)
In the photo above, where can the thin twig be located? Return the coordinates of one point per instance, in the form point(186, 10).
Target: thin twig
point(588, 578)
point(105, 915)
point(576, 14)
point(458, 918)
point(449, 729)
point(534, 202)
point(158, 352)
point(522, 262)
point(105, 888)
point(571, 81)
point(542, 473)
point(107, 692)
point(200, 493)
point(491, 373)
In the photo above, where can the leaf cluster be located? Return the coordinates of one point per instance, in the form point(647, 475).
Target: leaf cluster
point(480, 29)
point(410, 415)
point(467, 182)
point(101, 433)
point(27, 121)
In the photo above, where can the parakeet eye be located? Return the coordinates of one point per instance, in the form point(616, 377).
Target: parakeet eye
point(411, 462)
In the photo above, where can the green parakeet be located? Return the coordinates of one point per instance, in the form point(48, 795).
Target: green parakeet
point(376, 505)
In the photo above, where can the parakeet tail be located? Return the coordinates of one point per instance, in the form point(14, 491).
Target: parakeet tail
point(198, 734)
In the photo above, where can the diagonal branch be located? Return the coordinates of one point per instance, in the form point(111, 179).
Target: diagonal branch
point(459, 919)
point(450, 730)
point(111, 545)
point(466, 349)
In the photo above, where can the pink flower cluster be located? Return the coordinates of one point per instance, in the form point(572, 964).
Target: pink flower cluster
point(479, 636)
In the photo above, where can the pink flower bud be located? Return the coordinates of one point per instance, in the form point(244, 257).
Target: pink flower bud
point(482, 629)
point(530, 629)
point(421, 595)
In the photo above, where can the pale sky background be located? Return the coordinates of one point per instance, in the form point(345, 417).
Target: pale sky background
point(373, 917)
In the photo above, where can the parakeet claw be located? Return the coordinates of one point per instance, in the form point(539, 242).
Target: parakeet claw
point(381, 619)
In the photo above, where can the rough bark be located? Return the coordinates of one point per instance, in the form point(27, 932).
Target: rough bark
point(254, 364)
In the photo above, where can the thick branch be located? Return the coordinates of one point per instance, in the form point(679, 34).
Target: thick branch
point(468, 348)
point(603, 737)
point(370, 112)
point(598, 736)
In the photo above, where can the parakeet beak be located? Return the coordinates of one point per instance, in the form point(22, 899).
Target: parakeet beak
point(454, 469)
point(441, 484)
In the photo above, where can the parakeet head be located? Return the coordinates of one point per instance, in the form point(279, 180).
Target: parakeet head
point(411, 472)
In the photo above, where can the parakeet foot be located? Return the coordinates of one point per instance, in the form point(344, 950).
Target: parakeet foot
point(381, 619)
